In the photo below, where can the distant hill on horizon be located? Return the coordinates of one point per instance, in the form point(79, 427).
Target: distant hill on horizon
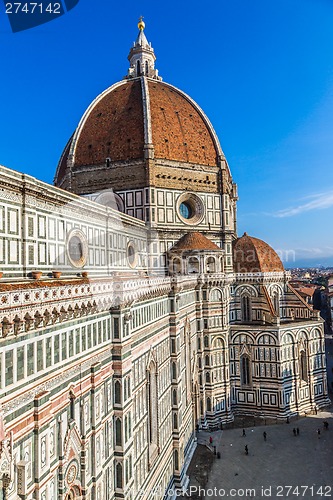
point(310, 263)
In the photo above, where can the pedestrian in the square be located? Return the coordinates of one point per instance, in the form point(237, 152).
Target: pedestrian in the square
point(265, 435)
point(244, 433)
point(297, 431)
point(246, 450)
point(318, 432)
point(210, 439)
point(294, 431)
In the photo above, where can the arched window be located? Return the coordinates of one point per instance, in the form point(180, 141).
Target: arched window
point(119, 476)
point(174, 397)
point(245, 370)
point(210, 265)
point(207, 377)
point(175, 421)
point(117, 392)
point(176, 455)
point(303, 365)
point(209, 404)
point(219, 358)
point(72, 405)
point(176, 266)
point(187, 335)
point(276, 303)
point(207, 360)
point(246, 308)
point(118, 432)
point(138, 68)
point(152, 403)
point(215, 295)
point(193, 265)
point(147, 68)
point(174, 371)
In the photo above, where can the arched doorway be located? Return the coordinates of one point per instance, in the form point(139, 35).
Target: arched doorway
point(71, 495)
point(74, 493)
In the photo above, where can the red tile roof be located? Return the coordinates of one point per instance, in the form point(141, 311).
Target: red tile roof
point(252, 255)
point(179, 131)
point(194, 241)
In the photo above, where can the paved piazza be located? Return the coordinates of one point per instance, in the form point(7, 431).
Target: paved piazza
point(283, 460)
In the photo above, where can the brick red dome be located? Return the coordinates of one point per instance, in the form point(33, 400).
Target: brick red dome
point(252, 255)
point(127, 120)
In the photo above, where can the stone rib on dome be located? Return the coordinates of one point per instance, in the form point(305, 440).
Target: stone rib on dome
point(194, 241)
point(252, 255)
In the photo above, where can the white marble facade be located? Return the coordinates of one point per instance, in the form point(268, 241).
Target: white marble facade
point(125, 325)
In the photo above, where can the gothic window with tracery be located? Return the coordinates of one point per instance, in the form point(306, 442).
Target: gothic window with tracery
point(152, 403)
point(245, 370)
point(119, 476)
point(117, 392)
point(303, 366)
point(187, 335)
point(246, 308)
point(118, 432)
point(276, 303)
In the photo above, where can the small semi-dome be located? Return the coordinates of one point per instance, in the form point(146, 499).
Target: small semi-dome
point(194, 241)
point(252, 255)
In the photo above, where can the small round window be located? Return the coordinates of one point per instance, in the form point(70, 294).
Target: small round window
point(190, 208)
point(132, 256)
point(77, 248)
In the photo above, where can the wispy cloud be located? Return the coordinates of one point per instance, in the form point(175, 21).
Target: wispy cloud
point(318, 202)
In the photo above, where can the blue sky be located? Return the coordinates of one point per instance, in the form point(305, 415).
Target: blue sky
point(262, 70)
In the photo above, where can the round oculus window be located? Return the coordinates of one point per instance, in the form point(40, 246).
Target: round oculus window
point(77, 248)
point(190, 208)
point(132, 256)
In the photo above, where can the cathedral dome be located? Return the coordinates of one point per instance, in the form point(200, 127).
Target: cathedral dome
point(252, 255)
point(136, 120)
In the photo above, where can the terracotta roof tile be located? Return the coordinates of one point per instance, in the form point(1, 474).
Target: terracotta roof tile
point(252, 255)
point(179, 131)
point(114, 127)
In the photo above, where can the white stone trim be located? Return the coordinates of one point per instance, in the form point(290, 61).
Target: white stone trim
point(146, 111)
